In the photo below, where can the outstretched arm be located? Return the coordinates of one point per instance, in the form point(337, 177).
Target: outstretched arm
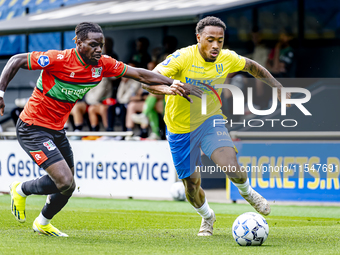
point(163, 90)
point(147, 77)
point(169, 87)
point(9, 71)
point(262, 74)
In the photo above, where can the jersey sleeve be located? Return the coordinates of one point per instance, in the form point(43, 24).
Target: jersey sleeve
point(113, 67)
point(38, 60)
point(237, 62)
point(172, 65)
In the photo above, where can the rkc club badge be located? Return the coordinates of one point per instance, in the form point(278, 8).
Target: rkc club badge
point(96, 71)
point(219, 68)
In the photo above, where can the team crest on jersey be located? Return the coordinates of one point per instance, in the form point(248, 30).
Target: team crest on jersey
point(43, 61)
point(96, 71)
point(166, 62)
point(219, 68)
point(50, 145)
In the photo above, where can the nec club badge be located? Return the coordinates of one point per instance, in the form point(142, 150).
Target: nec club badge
point(96, 72)
point(50, 145)
point(43, 61)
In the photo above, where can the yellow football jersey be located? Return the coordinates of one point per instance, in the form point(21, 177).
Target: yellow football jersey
point(187, 65)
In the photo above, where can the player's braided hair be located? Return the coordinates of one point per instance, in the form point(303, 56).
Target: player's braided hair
point(209, 21)
point(84, 28)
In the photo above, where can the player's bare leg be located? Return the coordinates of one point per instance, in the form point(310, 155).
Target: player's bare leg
point(196, 198)
point(226, 157)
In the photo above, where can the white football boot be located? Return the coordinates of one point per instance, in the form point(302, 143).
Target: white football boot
point(258, 202)
point(207, 225)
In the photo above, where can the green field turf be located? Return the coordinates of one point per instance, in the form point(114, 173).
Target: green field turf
point(110, 226)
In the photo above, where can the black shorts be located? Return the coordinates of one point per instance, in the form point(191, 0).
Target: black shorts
point(45, 146)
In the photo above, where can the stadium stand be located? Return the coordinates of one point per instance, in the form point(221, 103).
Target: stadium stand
point(13, 44)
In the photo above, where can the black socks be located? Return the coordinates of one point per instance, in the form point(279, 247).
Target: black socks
point(40, 186)
point(54, 204)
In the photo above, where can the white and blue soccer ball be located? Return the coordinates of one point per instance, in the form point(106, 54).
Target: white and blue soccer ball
point(250, 229)
point(177, 191)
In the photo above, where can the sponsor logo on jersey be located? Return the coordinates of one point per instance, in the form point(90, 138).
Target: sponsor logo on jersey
point(219, 68)
point(176, 54)
point(72, 74)
point(50, 145)
point(116, 65)
point(43, 60)
point(233, 52)
point(198, 82)
point(39, 156)
point(79, 93)
point(200, 67)
point(166, 62)
point(96, 71)
point(60, 56)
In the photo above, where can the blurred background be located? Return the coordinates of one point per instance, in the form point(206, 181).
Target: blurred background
point(313, 25)
point(298, 41)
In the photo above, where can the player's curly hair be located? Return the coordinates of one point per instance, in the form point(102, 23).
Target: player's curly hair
point(82, 30)
point(209, 21)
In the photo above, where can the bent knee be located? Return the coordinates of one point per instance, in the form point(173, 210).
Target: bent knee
point(228, 165)
point(66, 184)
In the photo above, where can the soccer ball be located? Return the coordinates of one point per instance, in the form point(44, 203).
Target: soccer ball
point(177, 191)
point(250, 229)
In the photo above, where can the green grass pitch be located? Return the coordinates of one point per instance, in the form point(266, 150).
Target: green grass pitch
point(110, 226)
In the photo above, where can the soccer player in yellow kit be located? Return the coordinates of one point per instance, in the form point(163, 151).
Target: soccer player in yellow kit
point(188, 130)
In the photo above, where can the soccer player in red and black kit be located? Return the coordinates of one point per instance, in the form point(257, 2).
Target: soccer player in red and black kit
point(66, 76)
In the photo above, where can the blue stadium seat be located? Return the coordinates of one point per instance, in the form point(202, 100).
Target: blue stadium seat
point(10, 45)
